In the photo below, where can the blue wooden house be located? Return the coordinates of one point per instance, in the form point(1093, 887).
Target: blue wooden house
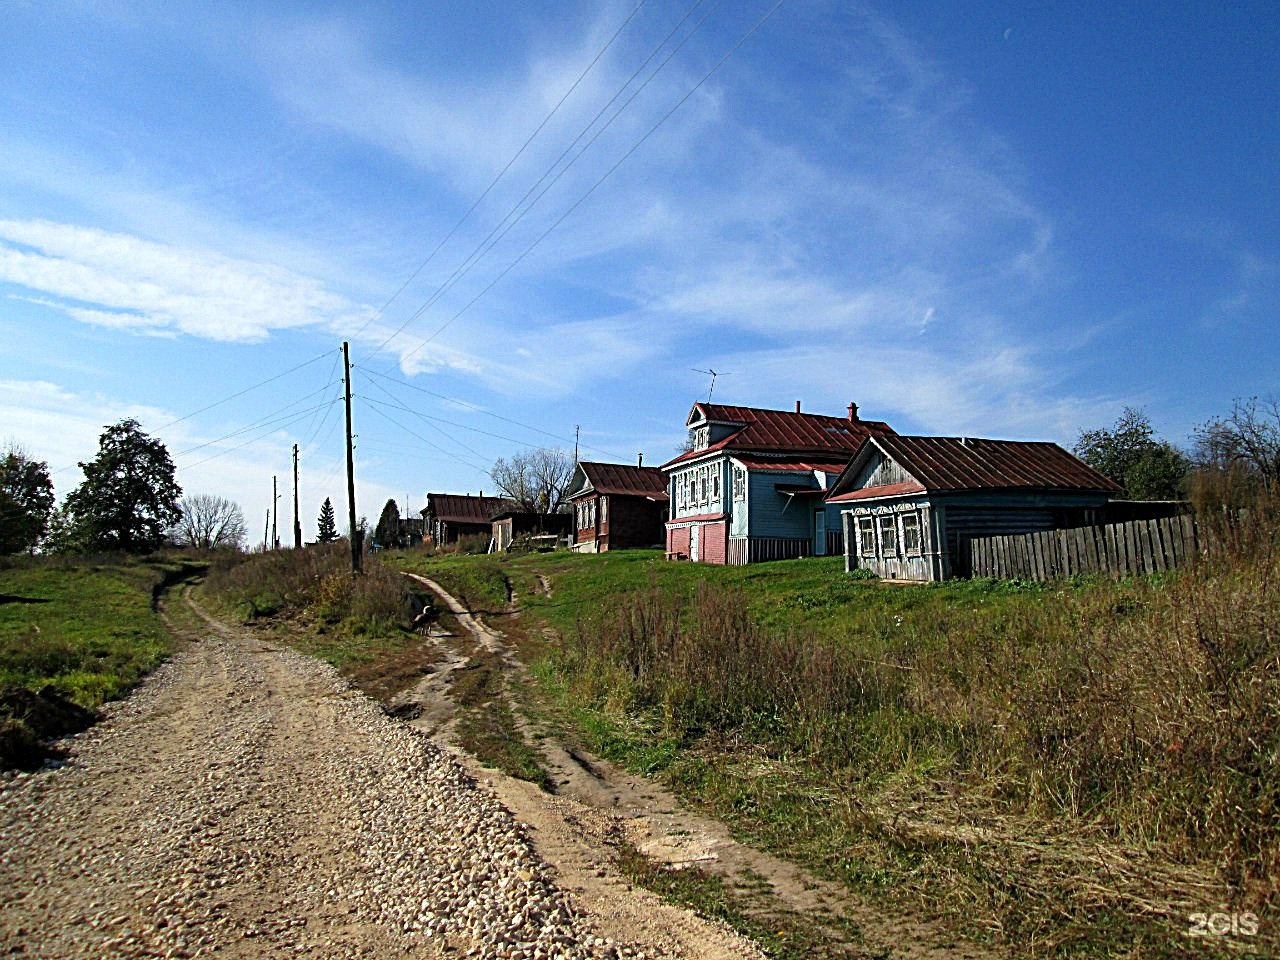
point(909, 505)
point(754, 484)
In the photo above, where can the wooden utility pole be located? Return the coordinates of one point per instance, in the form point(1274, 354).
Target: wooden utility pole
point(266, 531)
point(297, 523)
point(275, 509)
point(577, 431)
point(351, 467)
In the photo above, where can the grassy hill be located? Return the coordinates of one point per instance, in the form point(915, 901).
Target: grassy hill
point(1068, 768)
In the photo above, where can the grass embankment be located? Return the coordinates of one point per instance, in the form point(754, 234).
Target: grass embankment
point(1067, 768)
point(83, 629)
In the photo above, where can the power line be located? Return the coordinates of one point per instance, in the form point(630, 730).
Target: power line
point(241, 393)
point(261, 421)
point(608, 173)
point(400, 403)
point(481, 410)
point(484, 246)
point(297, 417)
point(494, 182)
point(414, 433)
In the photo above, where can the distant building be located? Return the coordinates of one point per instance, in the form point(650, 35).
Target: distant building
point(511, 524)
point(753, 486)
point(909, 505)
point(616, 506)
point(448, 516)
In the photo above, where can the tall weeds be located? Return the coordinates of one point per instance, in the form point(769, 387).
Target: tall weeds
point(1148, 711)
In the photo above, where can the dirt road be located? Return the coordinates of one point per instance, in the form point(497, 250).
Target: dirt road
point(245, 801)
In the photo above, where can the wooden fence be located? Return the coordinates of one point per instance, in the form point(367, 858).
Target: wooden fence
point(1117, 549)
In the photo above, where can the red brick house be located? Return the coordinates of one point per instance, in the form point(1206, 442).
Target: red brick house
point(616, 506)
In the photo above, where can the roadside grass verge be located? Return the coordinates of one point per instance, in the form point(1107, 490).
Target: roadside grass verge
point(1061, 769)
point(480, 582)
point(80, 628)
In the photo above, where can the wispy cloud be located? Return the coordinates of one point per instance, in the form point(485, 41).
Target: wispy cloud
point(127, 283)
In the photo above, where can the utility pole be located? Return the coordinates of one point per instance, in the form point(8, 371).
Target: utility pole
point(275, 509)
point(351, 467)
point(577, 430)
point(266, 530)
point(297, 524)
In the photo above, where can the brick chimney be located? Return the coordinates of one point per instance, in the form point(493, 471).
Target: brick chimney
point(853, 413)
point(797, 406)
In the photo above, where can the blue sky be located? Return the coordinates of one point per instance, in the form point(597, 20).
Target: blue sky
point(979, 218)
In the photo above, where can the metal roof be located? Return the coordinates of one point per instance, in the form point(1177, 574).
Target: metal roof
point(625, 480)
point(970, 463)
point(794, 466)
point(463, 508)
point(783, 431)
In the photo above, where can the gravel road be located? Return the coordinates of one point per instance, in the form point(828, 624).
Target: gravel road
point(245, 801)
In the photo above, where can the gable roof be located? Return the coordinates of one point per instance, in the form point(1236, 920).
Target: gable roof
point(619, 479)
point(782, 430)
point(463, 508)
point(969, 463)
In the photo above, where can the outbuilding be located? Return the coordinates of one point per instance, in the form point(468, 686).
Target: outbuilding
point(910, 505)
point(616, 506)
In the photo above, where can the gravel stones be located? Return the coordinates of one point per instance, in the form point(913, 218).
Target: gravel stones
point(247, 802)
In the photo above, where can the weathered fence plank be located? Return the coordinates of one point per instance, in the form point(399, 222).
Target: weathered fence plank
point(1118, 549)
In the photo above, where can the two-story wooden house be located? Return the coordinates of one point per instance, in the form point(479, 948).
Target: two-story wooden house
point(754, 485)
point(616, 506)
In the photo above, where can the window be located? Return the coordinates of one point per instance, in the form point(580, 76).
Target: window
point(888, 535)
point(715, 483)
point(739, 484)
point(701, 438)
point(866, 537)
point(604, 510)
point(911, 534)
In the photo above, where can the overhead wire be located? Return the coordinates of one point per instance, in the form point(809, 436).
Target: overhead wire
point(592, 189)
point(400, 403)
point(249, 389)
point(487, 413)
point(414, 433)
point(501, 173)
point(262, 421)
point(485, 245)
point(272, 428)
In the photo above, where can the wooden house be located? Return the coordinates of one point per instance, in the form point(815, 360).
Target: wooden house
point(616, 507)
point(511, 524)
point(448, 516)
point(909, 505)
point(754, 485)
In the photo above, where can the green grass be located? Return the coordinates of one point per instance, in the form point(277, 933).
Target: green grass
point(85, 628)
point(478, 581)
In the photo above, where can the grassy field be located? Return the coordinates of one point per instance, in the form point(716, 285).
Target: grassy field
point(84, 627)
point(1068, 768)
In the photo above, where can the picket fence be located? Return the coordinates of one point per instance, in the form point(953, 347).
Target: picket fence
point(1117, 549)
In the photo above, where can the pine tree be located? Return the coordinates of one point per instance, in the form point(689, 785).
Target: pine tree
point(328, 531)
point(387, 532)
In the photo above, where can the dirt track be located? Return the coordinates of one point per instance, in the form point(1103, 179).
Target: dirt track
point(247, 802)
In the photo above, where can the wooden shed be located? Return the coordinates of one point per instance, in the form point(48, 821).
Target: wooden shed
point(511, 524)
point(910, 505)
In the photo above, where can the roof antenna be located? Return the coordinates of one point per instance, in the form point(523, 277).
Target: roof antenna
point(713, 375)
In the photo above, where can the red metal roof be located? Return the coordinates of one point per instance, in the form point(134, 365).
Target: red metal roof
point(625, 480)
point(783, 430)
point(700, 518)
point(794, 466)
point(462, 508)
point(968, 463)
point(884, 490)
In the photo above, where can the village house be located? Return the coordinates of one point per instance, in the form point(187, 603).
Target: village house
point(753, 485)
point(910, 505)
point(616, 506)
point(448, 516)
point(512, 524)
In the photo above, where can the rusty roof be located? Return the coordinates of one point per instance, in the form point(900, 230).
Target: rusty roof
point(464, 508)
point(624, 480)
point(794, 466)
point(971, 463)
point(782, 430)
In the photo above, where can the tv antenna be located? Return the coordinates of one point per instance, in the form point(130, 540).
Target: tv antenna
point(713, 374)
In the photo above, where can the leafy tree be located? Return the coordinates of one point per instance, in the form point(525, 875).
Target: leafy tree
point(129, 496)
point(387, 532)
point(1130, 454)
point(210, 523)
point(328, 525)
point(26, 500)
point(535, 480)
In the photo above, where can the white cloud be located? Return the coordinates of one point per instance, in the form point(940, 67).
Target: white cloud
point(128, 283)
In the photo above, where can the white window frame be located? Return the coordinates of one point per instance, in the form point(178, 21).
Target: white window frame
point(866, 527)
point(739, 484)
point(887, 523)
point(604, 510)
point(907, 549)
